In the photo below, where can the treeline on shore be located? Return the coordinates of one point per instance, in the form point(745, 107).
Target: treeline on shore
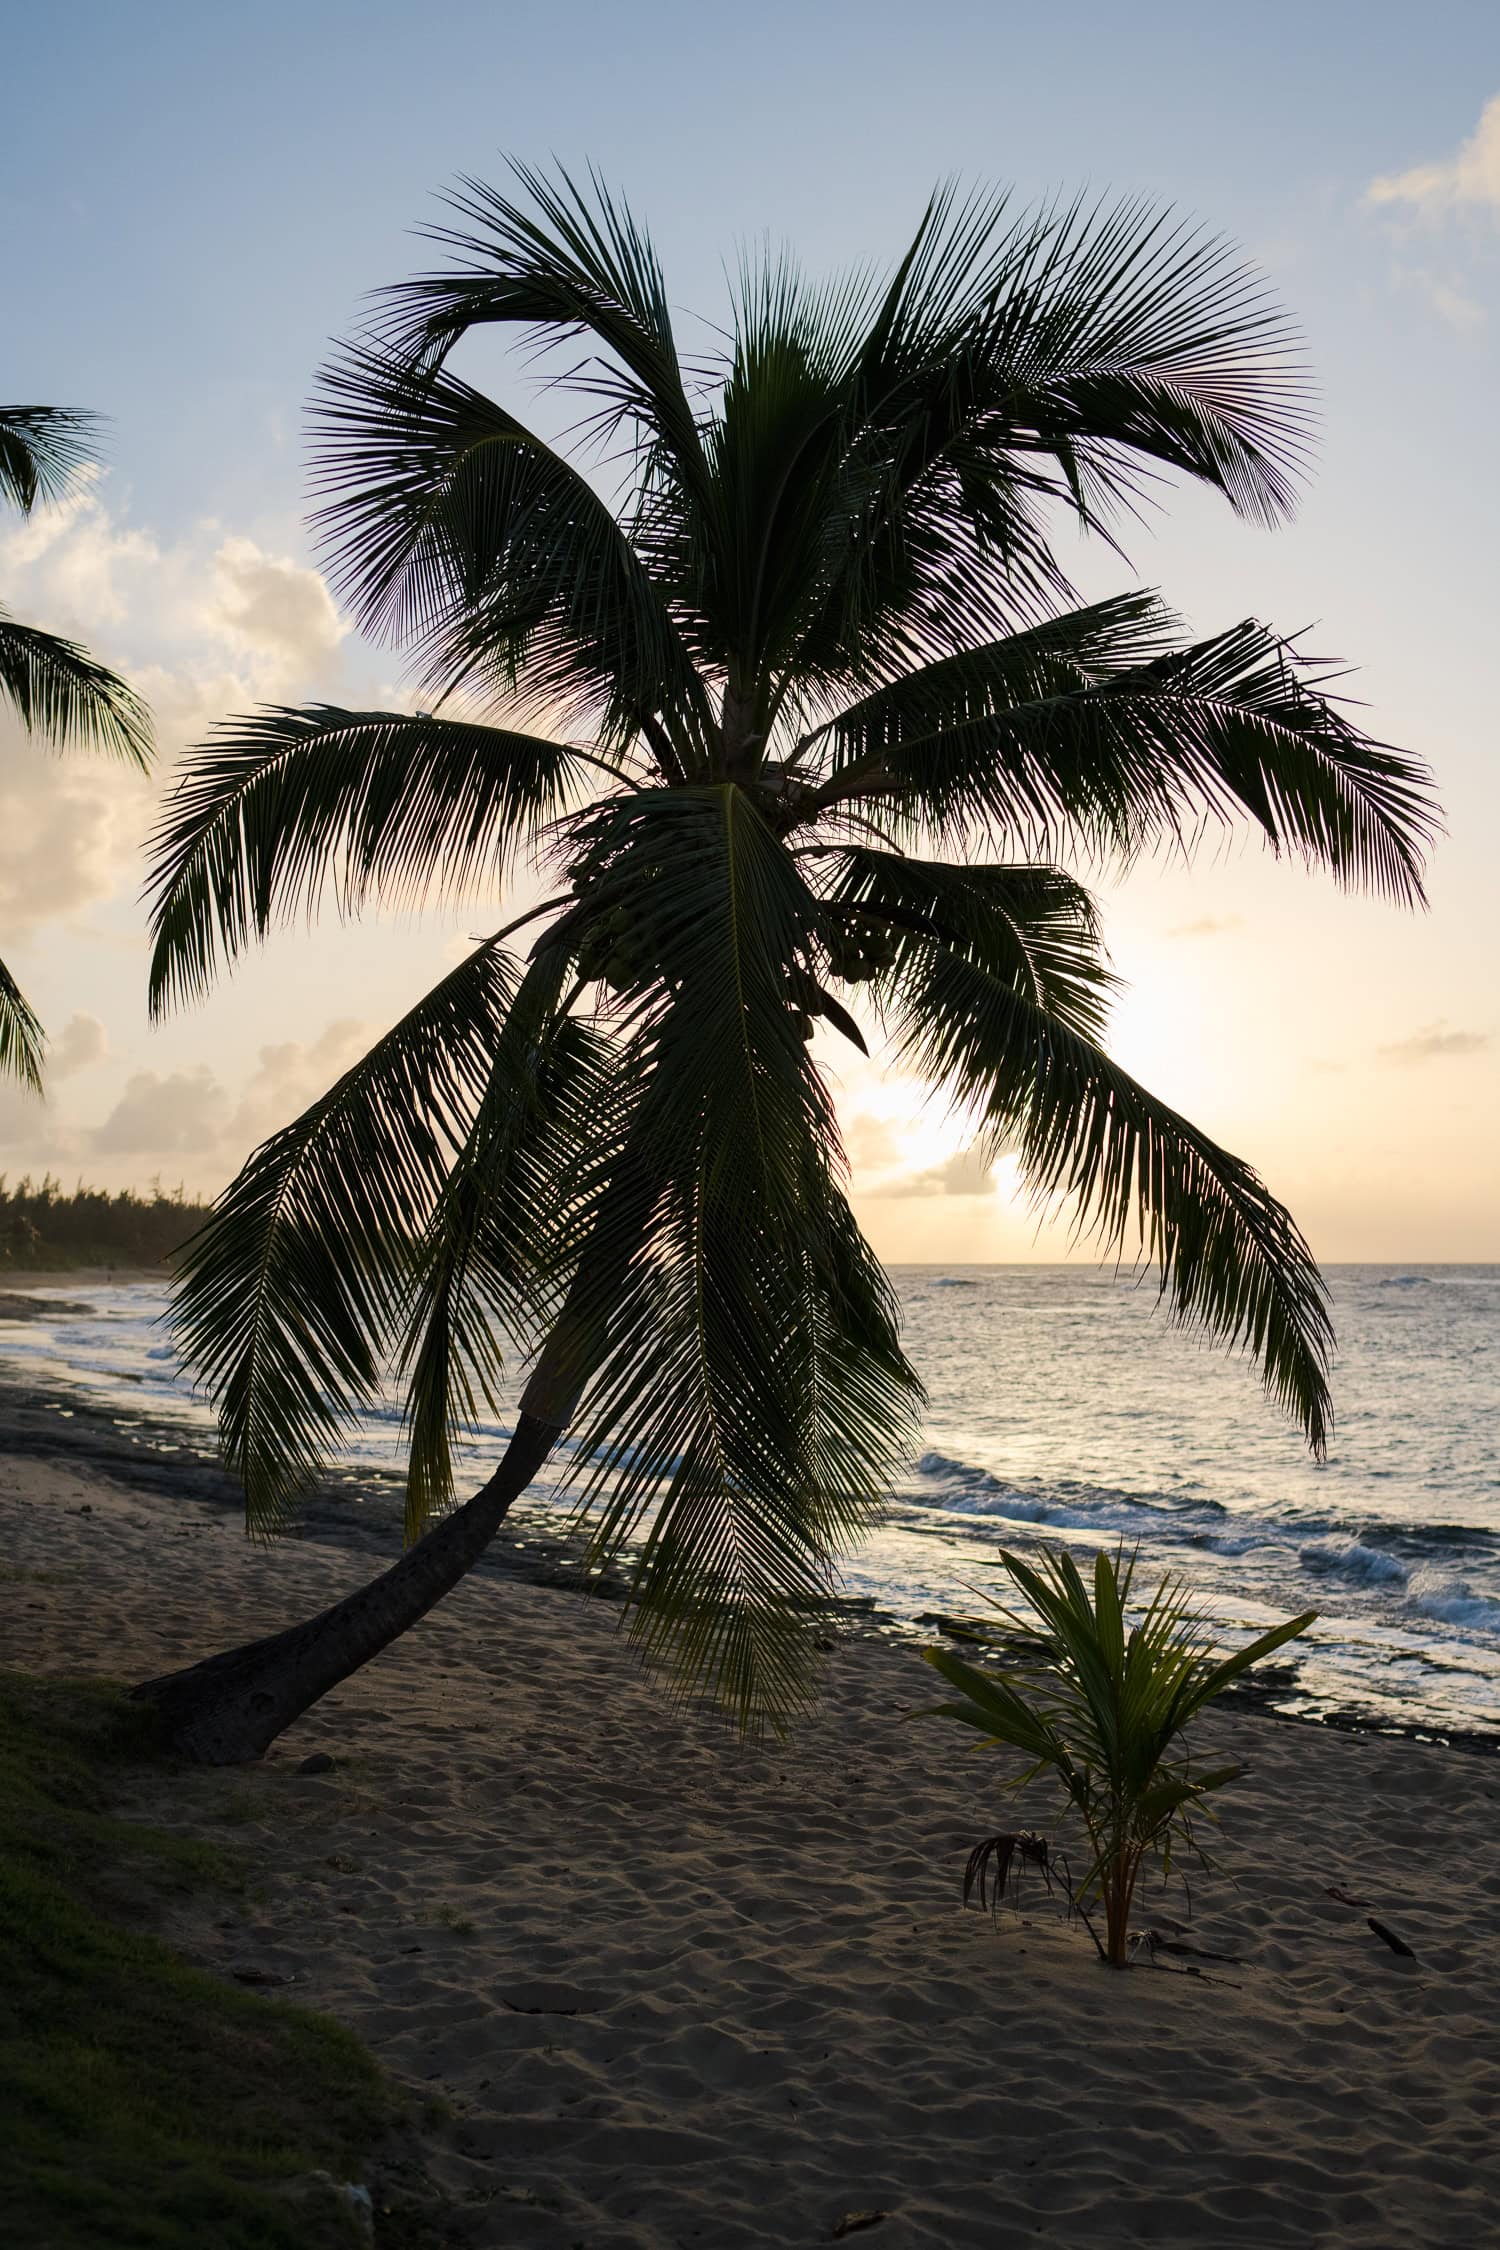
point(42, 1226)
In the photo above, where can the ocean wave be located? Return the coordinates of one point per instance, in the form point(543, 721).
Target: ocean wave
point(978, 1492)
point(1453, 1601)
point(1350, 1558)
point(964, 1489)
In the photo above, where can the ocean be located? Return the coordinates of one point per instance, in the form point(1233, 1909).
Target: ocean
point(1063, 1407)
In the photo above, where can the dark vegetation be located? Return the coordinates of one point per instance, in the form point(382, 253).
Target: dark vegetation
point(42, 1228)
point(147, 2103)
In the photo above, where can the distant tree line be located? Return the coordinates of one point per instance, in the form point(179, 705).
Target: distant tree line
point(41, 1226)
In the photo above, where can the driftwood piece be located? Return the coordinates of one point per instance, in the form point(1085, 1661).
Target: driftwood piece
point(1396, 1944)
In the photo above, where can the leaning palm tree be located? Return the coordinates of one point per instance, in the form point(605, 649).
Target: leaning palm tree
point(791, 710)
point(54, 686)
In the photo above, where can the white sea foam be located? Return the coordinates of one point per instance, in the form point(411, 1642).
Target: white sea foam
point(1350, 1558)
point(1453, 1601)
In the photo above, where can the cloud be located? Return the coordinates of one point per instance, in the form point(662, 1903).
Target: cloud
point(274, 605)
point(1471, 178)
point(870, 1143)
point(73, 564)
point(970, 1172)
point(1462, 313)
point(189, 1114)
point(181, 1114)
point(83, 1043)
point(1208, 925)
point(1434, 1042)
point(70, 828)
point(202, 627)
point(291, 1074)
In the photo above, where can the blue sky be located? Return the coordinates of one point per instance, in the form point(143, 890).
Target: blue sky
point(195, 200)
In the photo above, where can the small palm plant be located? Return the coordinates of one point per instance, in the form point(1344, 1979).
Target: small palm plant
point(1104, 1708)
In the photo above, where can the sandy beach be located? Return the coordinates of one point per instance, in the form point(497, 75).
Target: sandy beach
point(679, 1991)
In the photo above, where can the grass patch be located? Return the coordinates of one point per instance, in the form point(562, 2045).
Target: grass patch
point(148, 2105)
point(450, 1918)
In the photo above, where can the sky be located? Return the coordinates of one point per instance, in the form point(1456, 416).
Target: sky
point(202, 199)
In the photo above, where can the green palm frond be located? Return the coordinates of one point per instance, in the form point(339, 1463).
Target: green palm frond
point(23, 1043)
point(508, 1228)
point(1231, 1260)
point(43, 449)
point(450, 526)
point(1101, 337)
point(1066, 734)
point(62, 694)
point(750, 1398)
point(283, 803)
point(575, 263)
point(1034, 928)
point(289, 1300)
point(1019, 361)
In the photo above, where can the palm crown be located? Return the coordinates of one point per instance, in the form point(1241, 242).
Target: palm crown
point(55, 687)
point(802, 713)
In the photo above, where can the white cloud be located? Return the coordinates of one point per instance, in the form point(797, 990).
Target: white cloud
point(190, 1115)
point(1208, 925)
point(1448, 299)
point(291, 1074)
point(71, 567)
point(203, 627)
point(83, 1043)
point(69, 830)
point(970, 1172)
point(1435, 1042)
point(1469, 179)
point(275, 606)
point(181, 1114)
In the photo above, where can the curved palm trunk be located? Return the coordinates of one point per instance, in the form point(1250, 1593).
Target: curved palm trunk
point(230, 1708)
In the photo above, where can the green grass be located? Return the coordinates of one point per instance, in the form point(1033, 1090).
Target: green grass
point(462, 1925)
point(146, 2103)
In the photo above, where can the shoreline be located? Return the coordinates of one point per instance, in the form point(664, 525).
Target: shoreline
point(679, 1989)
point(361, 1509)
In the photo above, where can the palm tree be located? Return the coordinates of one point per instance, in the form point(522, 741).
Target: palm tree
point(802, 706)
point(54, 686)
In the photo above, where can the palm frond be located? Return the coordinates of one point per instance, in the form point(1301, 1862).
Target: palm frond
point(23, 1043)
point(484, 1272)
point(1017, 362)
point(1097, 335)
point(576, 263)
point(750, 1397)
point(283, 803)
point(1231, 1260)
point(451, 526)
point(1034, 928)
point(1093, 729)
point(288, 1301)
point(43, 449)
point(62, 694)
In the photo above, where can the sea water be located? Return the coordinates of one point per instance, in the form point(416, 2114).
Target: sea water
point(1062, 1406)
